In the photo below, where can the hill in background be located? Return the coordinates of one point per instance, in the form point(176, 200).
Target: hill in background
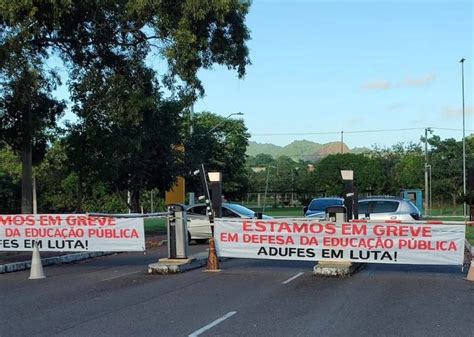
point(300, 150)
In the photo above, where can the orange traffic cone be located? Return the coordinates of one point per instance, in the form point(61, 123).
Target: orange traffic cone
point(212, 259)
point(470, 274)
point(36, 271)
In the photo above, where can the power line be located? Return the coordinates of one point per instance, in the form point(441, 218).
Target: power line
point(355, 131)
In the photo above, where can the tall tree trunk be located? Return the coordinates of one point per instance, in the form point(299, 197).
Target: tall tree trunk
point(135, 201)
point(79, 194)
point(454, 197)
point(27, 166)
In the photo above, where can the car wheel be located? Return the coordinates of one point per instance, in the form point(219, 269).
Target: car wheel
point(200, 241)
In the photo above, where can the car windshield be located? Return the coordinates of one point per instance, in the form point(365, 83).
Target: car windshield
point(244, 211)
point(322, 204)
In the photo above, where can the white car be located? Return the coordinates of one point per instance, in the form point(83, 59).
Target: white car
point(199, 228)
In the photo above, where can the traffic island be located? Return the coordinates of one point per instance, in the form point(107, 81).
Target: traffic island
point(174, 266)
point(336, 269)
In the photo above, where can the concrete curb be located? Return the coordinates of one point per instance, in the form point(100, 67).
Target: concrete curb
point(173, 267)
point(336, 270)
point(23, 265)
point(195, 261)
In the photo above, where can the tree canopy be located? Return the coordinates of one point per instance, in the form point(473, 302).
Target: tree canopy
point(128, 131)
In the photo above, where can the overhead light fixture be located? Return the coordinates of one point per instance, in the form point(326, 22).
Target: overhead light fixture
point(347, 174)
point(215, 176)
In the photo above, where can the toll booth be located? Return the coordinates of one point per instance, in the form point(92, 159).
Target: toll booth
point(416, 197)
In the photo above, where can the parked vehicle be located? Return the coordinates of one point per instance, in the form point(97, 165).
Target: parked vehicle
point(317, 207)
point(373, 208)
point(388, 208)
point(199, 228)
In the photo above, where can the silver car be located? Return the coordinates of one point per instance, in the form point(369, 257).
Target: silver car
point(199, 228)
point(382, 208)
point(388, 208)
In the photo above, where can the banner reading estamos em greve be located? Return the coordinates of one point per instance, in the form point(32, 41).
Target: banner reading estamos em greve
point(301, 239)
point(70, 232)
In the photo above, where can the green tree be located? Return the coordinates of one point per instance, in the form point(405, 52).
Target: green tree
point(220, 144)
point(189, 34)
point(128, 132)
point(27, 113)
point(57, 187)
point(367, 174)
point(10, 181)
point(409, 171)
point(398, 166)
point(104, 36)
point(447, 166)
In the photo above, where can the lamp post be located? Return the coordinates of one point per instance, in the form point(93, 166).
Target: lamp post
point(431, 190)
point(342, 141)
point(463, 141)
point(266, 187)
point(427, 198)
point(223, 121)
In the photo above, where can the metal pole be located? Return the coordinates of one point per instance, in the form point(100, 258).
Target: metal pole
point(425, 201)
point(223, 121)
point(266, 190)
point(431, 205)
point(342, 141)
point(463, 143)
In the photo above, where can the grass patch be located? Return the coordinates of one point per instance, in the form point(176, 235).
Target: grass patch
point(470, 234)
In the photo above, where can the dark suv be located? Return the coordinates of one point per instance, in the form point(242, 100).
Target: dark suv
point(317, 207)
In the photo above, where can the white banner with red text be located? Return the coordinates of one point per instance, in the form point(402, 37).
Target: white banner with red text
point(70, 232)
point(301, 239)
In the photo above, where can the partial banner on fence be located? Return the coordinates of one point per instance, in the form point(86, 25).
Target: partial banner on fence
point(300, 239)
point(70, 232)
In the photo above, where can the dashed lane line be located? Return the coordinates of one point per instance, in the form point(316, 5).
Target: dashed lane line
point(292, 278)
point(212, 324)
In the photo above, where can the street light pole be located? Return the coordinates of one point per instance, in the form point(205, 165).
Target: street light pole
point(427, 191)
point(342, 141)
point(266, 189)
point(223, 121)
point(463, 142)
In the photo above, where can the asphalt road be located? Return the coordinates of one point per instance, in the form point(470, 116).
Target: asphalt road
point(112, 296)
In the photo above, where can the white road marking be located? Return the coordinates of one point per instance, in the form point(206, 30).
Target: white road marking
point(292, 278)
point(212, 324)
point(121, 275)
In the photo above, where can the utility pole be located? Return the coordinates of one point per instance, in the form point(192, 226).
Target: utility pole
point(425, 200)
point(342, 141)
point(463, 143)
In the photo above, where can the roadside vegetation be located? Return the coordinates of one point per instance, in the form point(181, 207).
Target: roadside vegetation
point(132, 132)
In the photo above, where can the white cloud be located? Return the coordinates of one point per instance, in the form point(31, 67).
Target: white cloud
point(450, 112)
point(396, 106)
point(418, 81)
point(357, 120)
point(377, 85)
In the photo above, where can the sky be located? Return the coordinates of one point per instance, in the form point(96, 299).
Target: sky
point(322, 67)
